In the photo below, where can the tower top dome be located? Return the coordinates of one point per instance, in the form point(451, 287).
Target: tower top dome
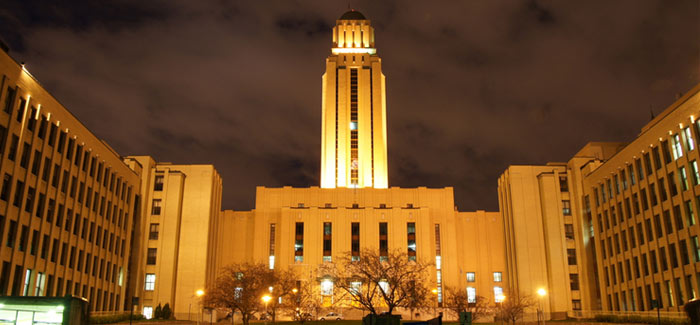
point(352, 15)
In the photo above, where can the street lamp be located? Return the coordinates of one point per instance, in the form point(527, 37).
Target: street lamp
point(199, 293)
point(500, 299)
point(540, 313)
point(266, 299)
point(435, 292)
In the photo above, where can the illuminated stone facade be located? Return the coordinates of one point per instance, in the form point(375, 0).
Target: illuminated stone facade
point(174, 255)
point(353, 106)
point(546, 238)
point(309, 228)
point(644, 209)
point(67, 200)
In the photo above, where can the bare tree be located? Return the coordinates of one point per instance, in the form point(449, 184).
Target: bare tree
point(456, 300)
point(283, 283)
point(513, 307)
point(303, 301)
point(240, 287)
point(392, 280)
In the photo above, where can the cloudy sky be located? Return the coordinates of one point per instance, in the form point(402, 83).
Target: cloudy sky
point(472, 86)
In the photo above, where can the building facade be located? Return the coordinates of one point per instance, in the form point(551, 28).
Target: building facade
point(644, 210)
point(308, 229)
point(174, 254)
point(547, 237)
point(67, 201)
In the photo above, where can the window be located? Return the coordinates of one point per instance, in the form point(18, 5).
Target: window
point(151, 257)
point(471, 295)
point(147, 312)
point(158, 183)
point(696, 248)
point(569, 231)
point(411, 235)
point(327, 241)
point(327, 287)
point(576, 304)
point(696, 173)
point(471, 277)
point(677, 149)
point(657, 158)
point(272, 246)
point(299, 242)
point(684, 178)
point(497, 277)
point(155, 209)
point(571, 256)
point(150, 282)
point(383, 240)
point(153, 231)
point(566, 207)
point(6, 185)
point(573, 280)
point(498, 294)
point(355, 241)
point(689, 144)
point(563, 184)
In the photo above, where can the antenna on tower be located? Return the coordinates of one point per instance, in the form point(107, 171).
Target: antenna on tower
point(651, 110)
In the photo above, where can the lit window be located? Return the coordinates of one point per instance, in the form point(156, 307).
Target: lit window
point(384, 286)
point(497, 276)
point(689, 144)
point(696, 173)
point(471, 295)
point(27, 280)
point(684, 178)
point(498, 294)
point(272, 262)
point(471, 277)
point(148, 312)
point(150, 282)
point(327, 287)
point(355, 287)
point(677, 150)
point(566, 207)
point(353, 125)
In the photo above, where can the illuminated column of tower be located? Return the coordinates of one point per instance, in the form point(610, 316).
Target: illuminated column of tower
point(353, 126)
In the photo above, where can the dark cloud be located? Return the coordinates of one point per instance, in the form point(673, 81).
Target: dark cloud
point(472, 87)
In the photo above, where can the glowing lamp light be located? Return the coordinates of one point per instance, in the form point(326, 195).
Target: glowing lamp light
point(356, 50)
point(295, 290)
point(266, 298)
point(434, 291)
point(501, 298)
point(199, 293)
point(541, 292)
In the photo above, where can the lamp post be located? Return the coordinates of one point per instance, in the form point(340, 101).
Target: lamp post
point(541, 292)
point(199, 293)
point(501, 298)
point(266, 299)
point(435, 292)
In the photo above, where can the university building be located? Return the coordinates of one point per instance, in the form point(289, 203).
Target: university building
point(67, 201)
point(355, 208)
point(610, 230)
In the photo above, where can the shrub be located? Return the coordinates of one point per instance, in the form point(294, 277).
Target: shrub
point(110, 319)
point(640, 319)
point(158, 313)
point(167, 312)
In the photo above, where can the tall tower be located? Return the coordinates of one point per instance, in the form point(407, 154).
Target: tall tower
point(353, 126)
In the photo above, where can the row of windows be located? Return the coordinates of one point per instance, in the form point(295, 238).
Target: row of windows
point(354, 206)
point(665, 261)
point(680, 142)
point(669, 293)
point(497, 277)
point(44, 285)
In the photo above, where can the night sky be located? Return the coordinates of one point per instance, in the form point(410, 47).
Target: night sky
point(472, 87)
